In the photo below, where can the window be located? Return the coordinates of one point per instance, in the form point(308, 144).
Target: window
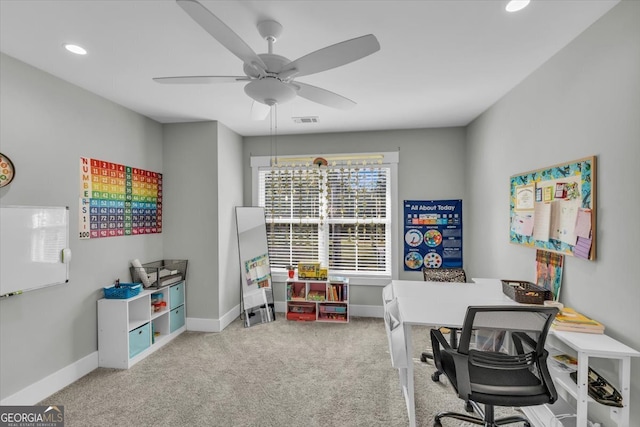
point(338, 215)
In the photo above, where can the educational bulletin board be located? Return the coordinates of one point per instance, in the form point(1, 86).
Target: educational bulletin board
point(118, 200)
point(432, 234)
point(554, 208)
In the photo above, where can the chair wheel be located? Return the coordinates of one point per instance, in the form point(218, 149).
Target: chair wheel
point(425, 356)
point(468, 407)
point(435, 377)
point(437, 424)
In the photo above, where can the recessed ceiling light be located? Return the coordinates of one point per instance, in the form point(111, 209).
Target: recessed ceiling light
point(74, 48)
point(516, 5)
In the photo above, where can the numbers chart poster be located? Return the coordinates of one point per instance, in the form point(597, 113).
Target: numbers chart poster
point(118, 200)
point(432, 234)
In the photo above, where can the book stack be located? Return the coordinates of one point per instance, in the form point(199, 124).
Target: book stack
point(570, 320)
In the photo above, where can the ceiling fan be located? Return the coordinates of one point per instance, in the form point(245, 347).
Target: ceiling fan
point(271, 77)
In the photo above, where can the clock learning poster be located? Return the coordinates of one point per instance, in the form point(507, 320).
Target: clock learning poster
point(432, 234)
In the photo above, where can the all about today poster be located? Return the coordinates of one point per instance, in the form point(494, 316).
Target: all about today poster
point(432, 234)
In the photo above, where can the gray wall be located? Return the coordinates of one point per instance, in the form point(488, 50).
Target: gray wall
point(190, 214)
point(584, 101)
point(230, 184)
point(203, 186)
point(430, 167)
point(46, 125)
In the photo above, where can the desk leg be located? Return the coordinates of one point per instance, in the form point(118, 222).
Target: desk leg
point(411, 404)
point(583, 388)
point(625, 391)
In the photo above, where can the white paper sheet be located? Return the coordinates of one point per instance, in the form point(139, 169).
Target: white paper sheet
point(542, 221)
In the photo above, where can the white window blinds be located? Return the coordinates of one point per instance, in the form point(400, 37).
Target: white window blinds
point(337, 215)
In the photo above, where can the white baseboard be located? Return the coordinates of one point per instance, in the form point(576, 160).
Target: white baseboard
point(45, 387)
point(213, 325)
point(366, 310)
point(217, 325)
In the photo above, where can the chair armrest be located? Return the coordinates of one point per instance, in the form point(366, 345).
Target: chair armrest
point(519, 337)
point(546, 377)
point(439, 345)
point(438, 340)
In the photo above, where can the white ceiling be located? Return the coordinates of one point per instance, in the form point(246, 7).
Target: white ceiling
point(441, 63)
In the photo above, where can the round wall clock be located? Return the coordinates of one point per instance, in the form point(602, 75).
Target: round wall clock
point(7, 170)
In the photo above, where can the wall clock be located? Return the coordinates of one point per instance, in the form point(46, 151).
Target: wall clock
point(7, 170)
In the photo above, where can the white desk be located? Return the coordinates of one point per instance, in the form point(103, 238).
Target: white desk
point(439, 304)
point(587, 346)
point(445, 304)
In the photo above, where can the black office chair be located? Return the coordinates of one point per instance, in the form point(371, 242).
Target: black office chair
point(442, 275)
point(500, 361)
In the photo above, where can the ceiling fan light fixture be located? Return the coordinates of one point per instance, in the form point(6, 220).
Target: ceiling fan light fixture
point(270, 91)
point(516, 5)
point(271, 77)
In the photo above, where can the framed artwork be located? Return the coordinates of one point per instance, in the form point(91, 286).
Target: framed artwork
point(525, 197)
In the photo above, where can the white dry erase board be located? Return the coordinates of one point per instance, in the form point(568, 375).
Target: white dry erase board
point(34, 252)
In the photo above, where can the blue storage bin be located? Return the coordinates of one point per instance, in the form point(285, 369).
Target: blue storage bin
point(139, 340)
point(123, 291)
point(176, 295)
point(176, 319)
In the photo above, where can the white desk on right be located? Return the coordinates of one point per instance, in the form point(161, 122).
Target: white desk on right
point(588, 346)
point(444, 304)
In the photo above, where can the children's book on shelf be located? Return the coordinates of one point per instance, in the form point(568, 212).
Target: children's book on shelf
point(562, 361)
point(570, 320)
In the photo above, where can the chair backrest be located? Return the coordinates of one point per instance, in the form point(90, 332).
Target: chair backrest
point(498, 321)
point(444, 274)
point(513, 374)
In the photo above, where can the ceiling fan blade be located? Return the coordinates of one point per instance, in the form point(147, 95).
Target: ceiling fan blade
point(259, 111)
point(200, 79)
point(334, 56)
point(221, 32)
point(323, 96)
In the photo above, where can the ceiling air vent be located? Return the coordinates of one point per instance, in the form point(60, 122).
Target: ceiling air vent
point(308, 119)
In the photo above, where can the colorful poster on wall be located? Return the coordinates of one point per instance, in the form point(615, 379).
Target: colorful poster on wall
point(432, 234)
point(549, 271)
point(118, 200)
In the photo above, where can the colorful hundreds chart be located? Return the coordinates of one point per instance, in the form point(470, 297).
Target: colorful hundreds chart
point(118, 200)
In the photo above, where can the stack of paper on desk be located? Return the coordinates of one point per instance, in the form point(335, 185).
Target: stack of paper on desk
point(570, 320)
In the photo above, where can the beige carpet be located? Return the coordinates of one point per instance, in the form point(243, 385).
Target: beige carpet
point(279, 374)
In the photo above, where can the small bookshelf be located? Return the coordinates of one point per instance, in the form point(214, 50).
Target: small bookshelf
point(318, 300)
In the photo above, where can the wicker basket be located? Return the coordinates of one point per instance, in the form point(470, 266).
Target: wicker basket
point(525, 292)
